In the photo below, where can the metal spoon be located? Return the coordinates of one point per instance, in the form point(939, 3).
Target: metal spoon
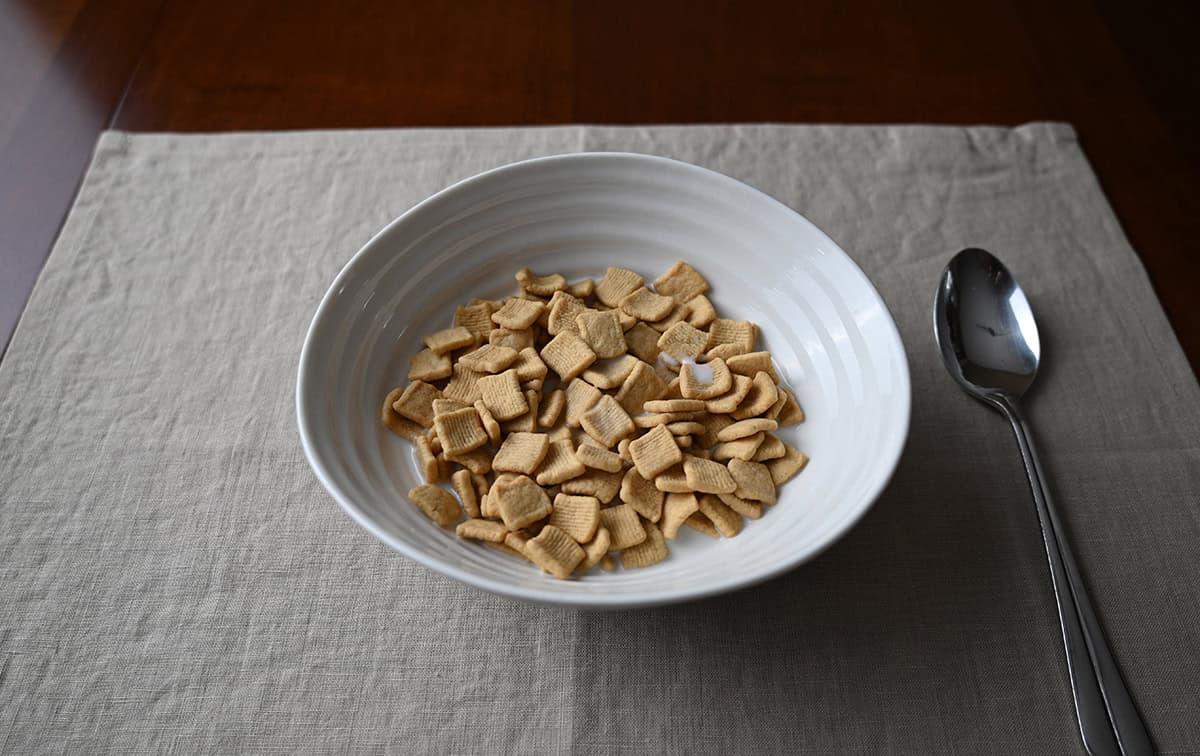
point(989, 342)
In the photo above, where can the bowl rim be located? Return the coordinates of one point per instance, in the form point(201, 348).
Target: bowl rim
point(893, 451)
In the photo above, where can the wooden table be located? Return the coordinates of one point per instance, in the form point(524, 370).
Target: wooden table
point(1123, 75)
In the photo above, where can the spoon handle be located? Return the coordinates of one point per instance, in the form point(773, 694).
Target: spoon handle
point(1108, 720)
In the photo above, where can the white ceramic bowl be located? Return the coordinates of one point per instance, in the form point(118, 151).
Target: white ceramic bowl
point(830, 333)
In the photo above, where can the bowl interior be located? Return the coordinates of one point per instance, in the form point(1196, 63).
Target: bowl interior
point(830, 334)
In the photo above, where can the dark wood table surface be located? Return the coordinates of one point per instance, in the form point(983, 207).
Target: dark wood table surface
point(1123, 73)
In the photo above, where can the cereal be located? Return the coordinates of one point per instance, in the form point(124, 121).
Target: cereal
point(644, 304)
point(435, 444)
point(555, 552)
point(777, 407)
point(603, 485)
point(431, 471)
point(707, 476)
point(684, 442)
point(650, 551)
point(729, 402)
point(464, 486)
point(685, 428)
point(526, 422)
point(617, 284)
point(581, 395)
point(655, 452)
point(678, 507)
point(743, 333)
point(683, 341)
point(521, 453)
point(596, 549)
point(582, 289)
point(623, 525)
point(518, 314)
point(450, 339)
point(727, 521)
point(442, 406)
point(623, 450)
point(552, 408)
point(701, 312)
point(663, 418)
point(626, 320)
point(642, 341)
point(564, 309)
point(607, 422)
point(482, 530)
point(438, 504)
point(672, 391)
point(464, 386)
point(792, 413)
point(725, 351)
point(516, 543)
point(534, 385)
point(762, 395)
point(712, 426)
point(428, 365)
point(529, 365)
point(477, 461)
point(489, 358)
point(744, 507)
point(519, 340)
point(786, 467)
point(745, 428)
point(674, 405)
point(754, 481)
point(611, 373)
point(702, 524)
point(743, 448)
point(577, 516)
point(751, 364)
point(568, 355)
point(476, 318)
point(693, 387)
point(542, 286)
point(600, 459)
point(397, 423)
point(519, 501)
point(770, 448)
point(559, 464)
point(673, 481)
point(501, 394)
point(642, 495)
point(642, 385)
point(681, 281)
point(602, 331)
point(416, 403)
point(460, 431)
point(488, 421)
point(607, 563)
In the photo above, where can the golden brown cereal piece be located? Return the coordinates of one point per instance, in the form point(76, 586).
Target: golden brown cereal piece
point(792, 413)
point(650, 551)
point(682, 341)
point(626, 320)
point(607, 422)
point(564, 309)
point(502, 395)
point(438, 504)
point(582, 289)
point(552, 408)
point(542, 286)
point(701, 312)
point(560, 464)
point(568, 355)
point(427, 461)
point(603, 485)
point(681, 281)
point(396, 423)
point(526, 423)
point(560, 432)
point(428, 365)
point(655, 452)
point(529, 365)
point(596, 549)
point(751, 364)
point(602, 332)
point(644, 304)
point(519, 501)
point(642, 341)
point(729, 402)
point(521, 453)
point(490, 426)
point(581, 395)
point(725, 351)
point(535, 385)
point(685, 428)
point(771, 448)
point(617, 284)
point(555, 552)
point(460, 431)
point(718, 513)
point(489, 358)
point(677, 314)
point(642, 385)
point(443, 406)
point(712, 426)
point(786, 467)
point(416, 402)
point(577, 516)
point(464, 486)
point(611, 373)
point(743, 448)
point(678, 507)
point(744, 507)
point(702, 524)
point(777, 407)
point(623, 451)
point(672, 391)
point(746, 428)
point(477, 461)
point(476, 318)
point(516, 542)
point(642, 495)
point(624, 527)
point(464, 386)
point(482, 530)
point(607, 563)
point(449, 339)
point(673, 481)
point(600, 459)
point(718, 382)
point(707, 476)
point(685, 442)
point(762, 395)
point(487, 507)
point(674, 405)
point(518, 314)
point(753, 481)
point(435, 443)
point(518, 340)
point(740, 332)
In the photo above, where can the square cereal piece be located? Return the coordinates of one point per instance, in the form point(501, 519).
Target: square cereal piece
point(786, 467)
point(519, 340)
point(437, 503)
point(770, 448)
point(519, 501)
point(555, 552)
point(595, 550)
point(642, 341)
point(642, 385)
point(685, 428)
point(718, 513)
point(701, 312)
point(753, 481)
point(521, 453)
point(502, 395)
point(730, 401)
point(490, 426)
point(744, 507)
point(564, 309)
point(460, 431)
point(551, 408)
point(650, 551)
point(777, 407)
point(602, 332)
point(617, 284)
point(702, 524)
point(682, 341)
point(761, 397)
point(516, 542)
point(644, 304)
point(642, 495)
point(489, 358)
point(476, 318)
point(751, 364)
point(568, 355)
point(442, 406)
point(582, 289)
point(673, 391)
point(527, 422)
point(428, 365)
point(449, 339)
point(581, 395)
point(626, 320)
point(518, 314)
point(542, 286)
point(667, 406)
point(610, 374)
point(682, 282)
point(725, 351)
point(529, 365)
point(673, 481)
point(603, 485)
point(706, 381)
point(740, 332)
point(677, 314)
point(482, 530)
point(792, 413)
point(478, 461)
point(712, 426)
point(623, 525)
point(464, 385)
point(416, 403)
point(560, 432)
point(560, 464)
point(706, 476)
point(678, 507)
point(655, 452)
point(464, 486)
point(598, 458)
point(577, 516)
point(746, 428)
point(743, 448)
point(396, 423)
